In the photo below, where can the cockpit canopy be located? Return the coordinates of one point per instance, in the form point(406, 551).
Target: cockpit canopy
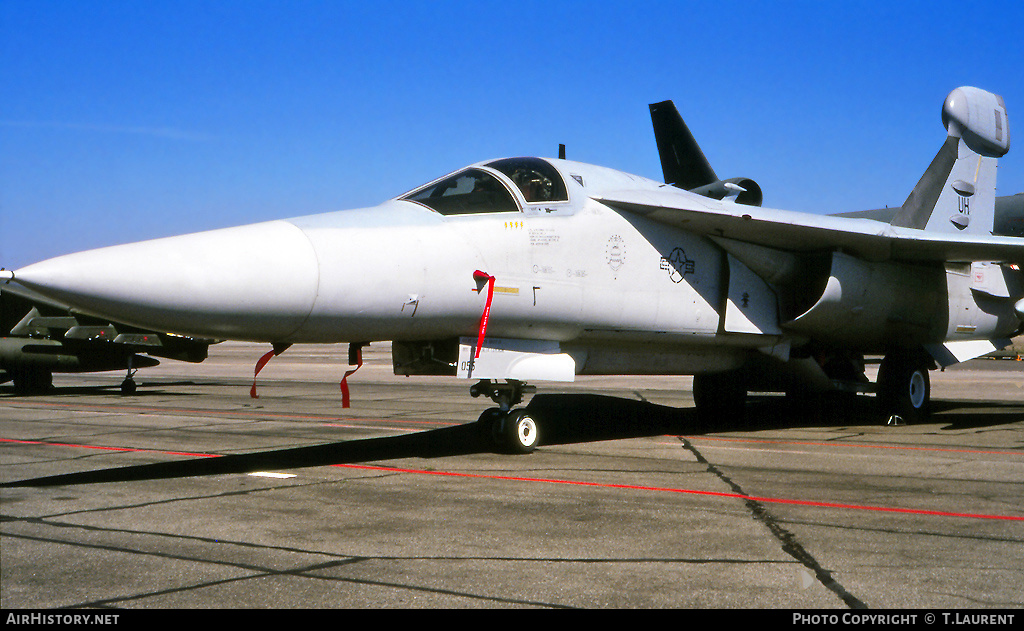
point(474, 190)
point(536, 178)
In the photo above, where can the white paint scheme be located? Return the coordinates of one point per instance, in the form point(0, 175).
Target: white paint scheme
point(256, 282)
point(969, 349)
point(515, 359)
point(752, 306)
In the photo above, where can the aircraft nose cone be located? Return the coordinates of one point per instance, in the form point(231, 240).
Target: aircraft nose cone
point(256, 282)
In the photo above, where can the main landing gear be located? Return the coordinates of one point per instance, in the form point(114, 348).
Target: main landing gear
point(128, 386)
point(903, 387)
point(720, 398)
point(31, 380)
point(514, 430)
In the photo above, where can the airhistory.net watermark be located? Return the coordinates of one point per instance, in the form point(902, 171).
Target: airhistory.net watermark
point(61, 618)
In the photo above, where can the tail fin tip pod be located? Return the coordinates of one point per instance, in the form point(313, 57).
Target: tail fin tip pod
point(977, 134)
point(979, 117)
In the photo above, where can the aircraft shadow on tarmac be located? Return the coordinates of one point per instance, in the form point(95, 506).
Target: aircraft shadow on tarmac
point(163, 389)
point(565, 419)
point(976, 414)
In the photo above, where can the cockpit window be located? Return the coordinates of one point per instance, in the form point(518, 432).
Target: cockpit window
point(536, 178)
point(466, 192)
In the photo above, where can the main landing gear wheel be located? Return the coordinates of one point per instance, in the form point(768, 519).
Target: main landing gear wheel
point(904, 388)
point(31, 380)
point(720, 399)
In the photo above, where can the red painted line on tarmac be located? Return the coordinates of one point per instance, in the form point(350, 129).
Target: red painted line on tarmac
point(605, 485)
point(235, 413)
point(772, 500)
point(853, 445)
point(104, 448)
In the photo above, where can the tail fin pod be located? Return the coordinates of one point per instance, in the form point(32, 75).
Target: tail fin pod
point(956, 194)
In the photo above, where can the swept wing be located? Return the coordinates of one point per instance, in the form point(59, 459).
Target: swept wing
point(805, 232)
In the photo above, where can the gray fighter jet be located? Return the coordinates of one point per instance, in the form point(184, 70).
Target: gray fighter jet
point(522, 270)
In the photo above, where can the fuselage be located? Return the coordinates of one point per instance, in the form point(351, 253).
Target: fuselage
point(566, 267)
point(401, 270)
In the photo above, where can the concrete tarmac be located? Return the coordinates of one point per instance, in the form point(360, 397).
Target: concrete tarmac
point(191, 494)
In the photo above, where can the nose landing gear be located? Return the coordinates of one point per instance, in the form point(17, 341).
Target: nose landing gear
point(128, 386)
point(515, 430)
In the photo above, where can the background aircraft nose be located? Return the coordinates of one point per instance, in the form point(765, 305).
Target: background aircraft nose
point(255, 282)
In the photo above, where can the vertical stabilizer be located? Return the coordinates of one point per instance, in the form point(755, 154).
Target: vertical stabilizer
point(685, 165)
point(682, 160)
point(956, 194)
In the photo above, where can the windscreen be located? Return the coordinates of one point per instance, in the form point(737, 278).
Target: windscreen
point(466, 192)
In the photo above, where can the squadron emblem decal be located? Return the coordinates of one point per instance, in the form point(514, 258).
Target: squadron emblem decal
point(677, 265)
point(615, 253)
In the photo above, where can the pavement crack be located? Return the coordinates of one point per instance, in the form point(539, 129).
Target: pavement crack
point(310, 572)
point(789, 542)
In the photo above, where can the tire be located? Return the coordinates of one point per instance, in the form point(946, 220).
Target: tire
point(489, 426)
point(32, 380)
point(720, 398)
point(520, 432)
point(904, 389)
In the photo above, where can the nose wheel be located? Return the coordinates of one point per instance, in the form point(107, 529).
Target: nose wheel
point(515, 430)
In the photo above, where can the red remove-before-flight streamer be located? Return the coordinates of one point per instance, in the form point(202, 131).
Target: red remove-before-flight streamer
point(484, 276)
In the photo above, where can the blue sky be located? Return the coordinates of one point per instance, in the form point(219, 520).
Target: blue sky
point(122, 121)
